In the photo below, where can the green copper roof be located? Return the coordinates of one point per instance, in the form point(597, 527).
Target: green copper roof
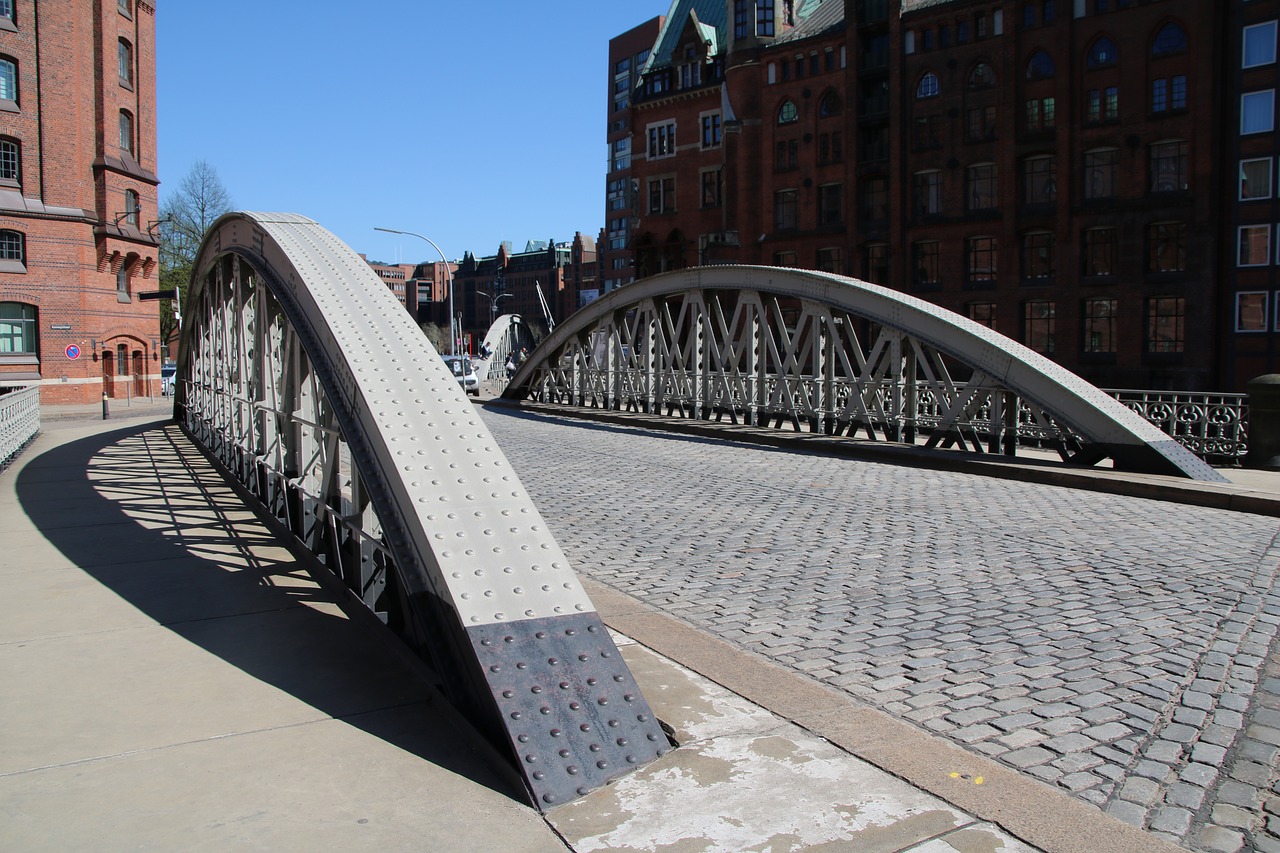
point(709, 14)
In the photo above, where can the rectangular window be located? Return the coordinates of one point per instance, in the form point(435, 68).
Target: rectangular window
point(1159, 95)
point(1038, 256)
point(620, 155)
point(830, 204)
point(981, 124)
point(1178, 92)
point(764, 18)
point(124, 61)
point(712, 188)
point(927, 193)
point(875, 262)
point(831, 260)
point(1167, 247)
point(1259, 45)
point(1038, 326)
point(1166, 324)
point(983, 313)
point(711, 130)
point(1041, 182)
point(926, 263)
point(1251, 312)
point(1168, 167)
point(1099, 325)
point(1257, 111)
point(662, 195)
point(784, 210)
point(1101, 250)
point(1254, 246)
point(741, 19)
point(662, 140)
point(786, 259)
point(1040, 114)
point(830, 148)
point(980, 260)
point(928, 131)
point(126, 132)
point(874, 199)
point(17, 328)
point(1093, 106)
point(1100, 168)
point(1255, 179)
point(981, 186)
point(786, 155)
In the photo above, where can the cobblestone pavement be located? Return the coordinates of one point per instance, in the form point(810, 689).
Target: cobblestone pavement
point(1115, 647)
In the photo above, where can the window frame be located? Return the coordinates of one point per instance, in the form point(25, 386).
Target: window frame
point(1168, 232)
point(13, 246)
point(980, 246)
point(124, 62)
point(711, 130)
point(1108, 170)
point(1244, 180)
point(1100, 243)
point(661, 139)
point(27, 332)
point(926, 192)
point(1258, 96)
point(1041, 327)
point(128, 134)
point(926, 264)
point(10, 160)
point(9, 81)
point(1244, 45)
point(831, 204)
point(1158, 156)
point(928, 86)
point(1238, 326)
point(1097, 56)
point(1177, 344)
point(787, 113)
point(973, 180)
point(1179, 45)
point(1091, 319)
point(1046, 180)
point(1044, 268)
point(786, 209)
point(1248, 252)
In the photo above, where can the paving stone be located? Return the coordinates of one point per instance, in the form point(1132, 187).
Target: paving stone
point(1174, 821)
point(1232, 816)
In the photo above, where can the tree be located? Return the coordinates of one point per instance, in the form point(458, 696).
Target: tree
point(185, 216)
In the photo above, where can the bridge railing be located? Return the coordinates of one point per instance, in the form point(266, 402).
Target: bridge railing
point(19, 420)
point(1213, 426)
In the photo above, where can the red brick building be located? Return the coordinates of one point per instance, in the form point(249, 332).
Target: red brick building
point(1052, 169)
point(400, 281)
point(78, 198)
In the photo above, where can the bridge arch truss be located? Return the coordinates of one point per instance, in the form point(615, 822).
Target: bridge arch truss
point(818, 352)
point(300, 372)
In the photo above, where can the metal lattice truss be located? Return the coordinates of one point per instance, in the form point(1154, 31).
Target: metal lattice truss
point(303, 375)
point(827, 354)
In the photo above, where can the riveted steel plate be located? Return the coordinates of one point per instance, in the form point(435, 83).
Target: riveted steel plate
point(571, 707)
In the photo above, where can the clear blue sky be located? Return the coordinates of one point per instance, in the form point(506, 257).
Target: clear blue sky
point(469, 123)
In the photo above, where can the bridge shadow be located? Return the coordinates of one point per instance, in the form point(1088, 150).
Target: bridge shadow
point(141, 511)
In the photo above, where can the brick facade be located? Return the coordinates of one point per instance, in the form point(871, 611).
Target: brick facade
point(1054, 169)
point(78, 200)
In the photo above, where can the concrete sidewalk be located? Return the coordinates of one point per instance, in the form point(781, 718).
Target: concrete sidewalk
point(172, 677)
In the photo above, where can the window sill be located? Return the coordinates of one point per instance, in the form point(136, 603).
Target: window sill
point(6, 24)
point(1039, 281)
point(1097, 358)
point(11, 266)
point(123, 298)
point(1100, 279)
point(7, 106)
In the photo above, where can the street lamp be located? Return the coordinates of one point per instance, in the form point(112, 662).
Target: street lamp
point(453, 336)
point(493, 303)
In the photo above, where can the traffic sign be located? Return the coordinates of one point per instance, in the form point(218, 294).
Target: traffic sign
point(73, 352)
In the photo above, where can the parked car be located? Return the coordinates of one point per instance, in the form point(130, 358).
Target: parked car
point(465, 373)
point(167, 374)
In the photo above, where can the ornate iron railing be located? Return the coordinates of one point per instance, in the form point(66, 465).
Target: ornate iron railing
point(19, 421)
point(1213, 426)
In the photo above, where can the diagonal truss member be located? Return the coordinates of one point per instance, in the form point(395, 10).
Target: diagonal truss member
point(829, 354)
point(302, 373)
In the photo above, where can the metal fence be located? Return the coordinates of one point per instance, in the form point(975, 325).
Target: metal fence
point(1213, 426)
point(19, 420)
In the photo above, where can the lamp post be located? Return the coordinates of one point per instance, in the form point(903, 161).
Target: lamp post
point(453, 336)
point(493, 303)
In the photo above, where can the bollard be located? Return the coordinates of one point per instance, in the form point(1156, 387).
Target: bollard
point(1264, 423)
point(106, 407)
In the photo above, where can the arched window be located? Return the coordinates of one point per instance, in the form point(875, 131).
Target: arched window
point(1171, 38)
point(124, 62)
point(830, 104)
point(1102, 53)
point(126, 132)
point(12, 246)
point(8, 79)
point(131, 207)
point(928, 86)
point(17, 328)
point(787, 113)
point(1040, 66)
point(981, 77)
point(10, 162)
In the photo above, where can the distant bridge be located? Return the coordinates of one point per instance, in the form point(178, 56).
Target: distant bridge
point(830, 354)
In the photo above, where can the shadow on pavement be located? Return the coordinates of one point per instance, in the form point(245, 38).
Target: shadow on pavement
point(140, 510)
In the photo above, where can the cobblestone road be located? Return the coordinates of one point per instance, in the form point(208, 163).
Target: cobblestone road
point(1115, 647)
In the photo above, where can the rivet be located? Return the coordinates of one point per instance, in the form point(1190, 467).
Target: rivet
point(515, 715)
point(613, 724)
point(531, 759)
point(571, 770)
point(591, 682)
point(583, 791)
point(555, 733)
point(553, 661)
point(535, 689)
point(486, 642)
point(602, 701)
point(644, 718)
point(495, 668)
point(523, 738)
point(541, 635)
point(622, 741)
point(548, 798)
point(602, 764)
point(628, 697)
point(508, 639)
point(564, 753)
point(586, 727)
point(582, 658)
point(545, 710)
point(573, 706)
point(569, 632)
point(538, 774)
point(631, 759)
point(507, 694)
point(564, 685)
point(651, 736)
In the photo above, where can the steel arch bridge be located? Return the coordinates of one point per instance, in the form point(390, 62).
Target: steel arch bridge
point(829, 354)
point(301, 373)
